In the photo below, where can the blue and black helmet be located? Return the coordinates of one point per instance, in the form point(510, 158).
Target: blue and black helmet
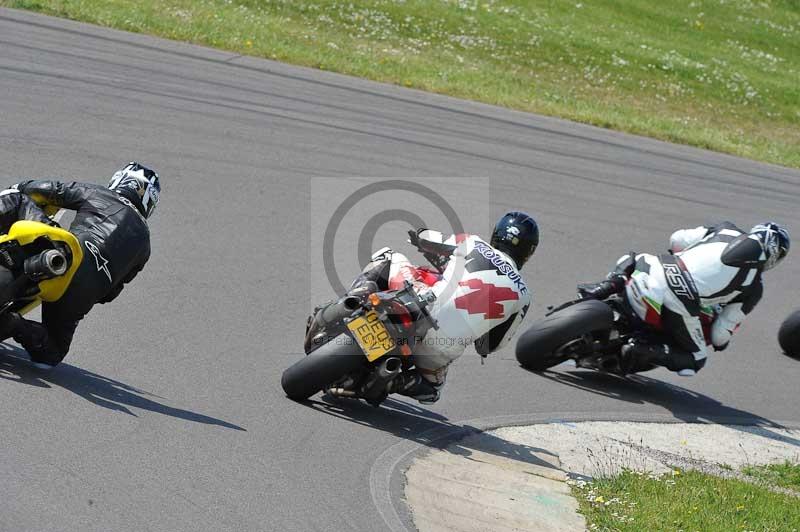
point(516, 234)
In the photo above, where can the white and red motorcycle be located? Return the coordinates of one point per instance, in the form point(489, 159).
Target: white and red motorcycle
point(360, 345)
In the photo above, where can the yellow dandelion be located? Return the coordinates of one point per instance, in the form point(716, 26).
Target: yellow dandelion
point(599, 499)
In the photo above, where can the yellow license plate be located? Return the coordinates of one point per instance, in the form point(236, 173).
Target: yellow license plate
point(371, 335)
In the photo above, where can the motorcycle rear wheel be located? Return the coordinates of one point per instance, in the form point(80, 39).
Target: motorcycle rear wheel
point(542, 346)
point(322, 367)
point(789, 335)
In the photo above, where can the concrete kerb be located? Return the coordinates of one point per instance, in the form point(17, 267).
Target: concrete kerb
point(479, 445)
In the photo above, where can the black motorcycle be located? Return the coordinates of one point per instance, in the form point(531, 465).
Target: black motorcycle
point(590, 332)
point(789, 335)
point(357, 346)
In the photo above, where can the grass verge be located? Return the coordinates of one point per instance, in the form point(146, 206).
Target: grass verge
point(715, 74)
point(690, 501)
point(785, 475)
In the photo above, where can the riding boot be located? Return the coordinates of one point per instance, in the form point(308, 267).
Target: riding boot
point(414, 385)
point(614, 284)
point(637, 354)
point(9, 324)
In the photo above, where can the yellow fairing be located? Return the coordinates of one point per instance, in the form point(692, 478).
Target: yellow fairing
point(25, 232)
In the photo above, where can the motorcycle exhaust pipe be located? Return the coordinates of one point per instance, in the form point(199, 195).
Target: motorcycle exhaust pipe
point(338, 311)
point(332, 314)
point(386, 371)
point(389, 368)
point(341, 392)
point(46, 265)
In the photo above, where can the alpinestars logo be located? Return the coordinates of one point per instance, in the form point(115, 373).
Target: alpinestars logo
point(677, 282)
point(485, 298)
point(99, 259)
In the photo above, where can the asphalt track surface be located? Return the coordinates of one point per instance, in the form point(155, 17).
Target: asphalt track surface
point(168, 414)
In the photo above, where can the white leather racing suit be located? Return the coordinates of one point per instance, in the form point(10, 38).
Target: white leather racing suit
point(481, 300)
point(701, 283)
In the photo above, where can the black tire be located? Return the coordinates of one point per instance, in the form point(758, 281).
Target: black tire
point(324, 366)
point(536, 347)
point(789, 335)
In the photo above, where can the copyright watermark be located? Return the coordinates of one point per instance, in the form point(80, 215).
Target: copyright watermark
point(351, 218)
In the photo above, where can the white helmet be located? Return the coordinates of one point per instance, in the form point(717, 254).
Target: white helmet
point(774, 240)
point(138, 184)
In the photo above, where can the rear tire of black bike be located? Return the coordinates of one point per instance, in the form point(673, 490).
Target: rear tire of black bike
point(789, 335)
point(536, 348)
point(324, 366)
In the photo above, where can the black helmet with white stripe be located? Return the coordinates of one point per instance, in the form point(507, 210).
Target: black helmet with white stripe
point(774, 241)
point(139, 185)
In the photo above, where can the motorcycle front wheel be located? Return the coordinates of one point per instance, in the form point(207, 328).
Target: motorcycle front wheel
point(322, 367)
point(544, 345)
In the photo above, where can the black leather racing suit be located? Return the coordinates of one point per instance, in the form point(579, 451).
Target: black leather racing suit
point(15, 206)
point(116, 245)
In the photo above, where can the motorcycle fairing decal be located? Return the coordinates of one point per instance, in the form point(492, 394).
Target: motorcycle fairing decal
point(484, 299)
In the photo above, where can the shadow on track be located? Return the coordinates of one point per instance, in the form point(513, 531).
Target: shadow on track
point(419, 425)
point(422, 426)
point(102, 391)
point(685, 405)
